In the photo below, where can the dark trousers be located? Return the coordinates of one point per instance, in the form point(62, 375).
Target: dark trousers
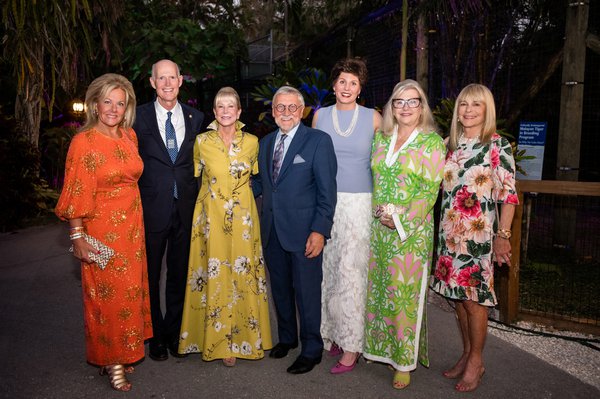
point(176, 240)
point(296, 282)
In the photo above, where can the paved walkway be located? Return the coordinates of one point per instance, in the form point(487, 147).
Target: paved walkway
point(42, 349)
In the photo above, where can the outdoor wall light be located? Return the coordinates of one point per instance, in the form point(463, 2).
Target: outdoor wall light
point(78, 107)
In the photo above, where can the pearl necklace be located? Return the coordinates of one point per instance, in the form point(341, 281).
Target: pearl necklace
point(336, 123)
point(468, 140)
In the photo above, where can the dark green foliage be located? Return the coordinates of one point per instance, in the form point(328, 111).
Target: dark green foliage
point(24, 195)
point(54, 144)
point(312, 83)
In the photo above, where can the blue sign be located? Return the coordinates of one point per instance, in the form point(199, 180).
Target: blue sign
point(532, 139)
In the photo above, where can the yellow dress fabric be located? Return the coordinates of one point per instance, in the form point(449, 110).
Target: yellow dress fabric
point(226, 308)
point(101, 188)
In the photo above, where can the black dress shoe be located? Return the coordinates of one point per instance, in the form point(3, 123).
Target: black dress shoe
point(281, 350)
point(173, 349)
point(303, 365)
point(158, 350)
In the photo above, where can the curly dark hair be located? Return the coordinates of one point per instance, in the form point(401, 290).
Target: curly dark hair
point(355, 66)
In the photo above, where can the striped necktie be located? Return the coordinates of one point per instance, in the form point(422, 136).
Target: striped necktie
point(278, 156)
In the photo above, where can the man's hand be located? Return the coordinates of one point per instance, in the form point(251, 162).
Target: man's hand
point(314, 244)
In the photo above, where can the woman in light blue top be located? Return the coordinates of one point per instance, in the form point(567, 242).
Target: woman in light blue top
point(346, 256)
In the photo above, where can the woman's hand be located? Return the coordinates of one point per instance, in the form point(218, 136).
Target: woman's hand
point(82, 249)
point(387, 221)
point(502, 252)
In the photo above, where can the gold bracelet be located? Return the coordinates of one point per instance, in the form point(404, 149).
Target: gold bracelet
point(504, 233)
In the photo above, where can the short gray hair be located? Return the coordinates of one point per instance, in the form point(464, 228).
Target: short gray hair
point(289, 90)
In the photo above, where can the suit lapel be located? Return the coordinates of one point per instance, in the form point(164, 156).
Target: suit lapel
point(189, 134)
point(153, 122)
point(270, 148)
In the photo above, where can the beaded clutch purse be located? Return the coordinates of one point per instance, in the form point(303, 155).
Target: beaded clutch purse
point(102, 258)
point(387, 210)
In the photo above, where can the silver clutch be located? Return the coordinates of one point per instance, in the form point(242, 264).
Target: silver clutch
point(105, 252)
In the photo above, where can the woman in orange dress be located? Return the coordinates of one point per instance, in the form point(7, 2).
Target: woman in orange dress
point(101, 199)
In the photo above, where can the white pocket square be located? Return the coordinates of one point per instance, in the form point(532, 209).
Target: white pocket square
point(298, 159)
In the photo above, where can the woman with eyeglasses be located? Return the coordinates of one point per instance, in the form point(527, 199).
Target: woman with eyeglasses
point(346, 256)
point(407, 162)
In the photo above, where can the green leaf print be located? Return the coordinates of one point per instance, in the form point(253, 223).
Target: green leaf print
point(476, 160)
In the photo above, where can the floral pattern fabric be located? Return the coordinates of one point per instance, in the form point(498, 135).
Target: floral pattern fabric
point(101, 188)
point(226, 308)
point(396, 328)
point(476, 176)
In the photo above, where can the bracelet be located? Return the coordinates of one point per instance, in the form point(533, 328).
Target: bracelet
point(77, 229)
point(504, 233)
point(75, 236)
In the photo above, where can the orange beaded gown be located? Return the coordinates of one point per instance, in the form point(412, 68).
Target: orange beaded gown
point(101, 188)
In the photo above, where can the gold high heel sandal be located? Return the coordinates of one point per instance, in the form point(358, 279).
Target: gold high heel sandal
point(116, 376)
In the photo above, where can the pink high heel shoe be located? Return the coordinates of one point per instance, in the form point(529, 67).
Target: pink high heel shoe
point(335, 350)
point(340, 368)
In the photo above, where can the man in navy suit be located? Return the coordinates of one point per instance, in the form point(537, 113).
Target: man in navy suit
point(166, 130)
point(298, 185)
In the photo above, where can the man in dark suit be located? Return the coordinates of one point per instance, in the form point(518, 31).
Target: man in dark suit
point(166, 130)
point(297, 167)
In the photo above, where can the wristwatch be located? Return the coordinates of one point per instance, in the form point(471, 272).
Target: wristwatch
point(504, 233)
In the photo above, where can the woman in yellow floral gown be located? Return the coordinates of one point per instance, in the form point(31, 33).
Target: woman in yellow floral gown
point(226, 312)
point(101, 198)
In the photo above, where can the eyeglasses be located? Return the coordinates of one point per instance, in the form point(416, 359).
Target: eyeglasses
point(281, 108)
point(411, 102)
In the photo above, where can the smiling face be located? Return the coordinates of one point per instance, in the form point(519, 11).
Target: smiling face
point(471, 114)
point(166, 80)
point(287, 120)
point(346, 88)
point(226, 111)
point(407, 116)
point(111, 109)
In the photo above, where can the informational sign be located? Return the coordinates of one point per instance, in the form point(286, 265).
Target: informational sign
point(532, 139)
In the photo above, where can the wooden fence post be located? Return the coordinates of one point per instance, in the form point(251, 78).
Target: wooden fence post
point(508, 297)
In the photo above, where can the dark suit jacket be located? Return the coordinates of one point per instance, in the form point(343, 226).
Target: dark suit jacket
point(156, 182)
point(303, 198)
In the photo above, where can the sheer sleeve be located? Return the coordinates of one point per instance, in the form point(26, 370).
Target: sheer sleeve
point(78, 198)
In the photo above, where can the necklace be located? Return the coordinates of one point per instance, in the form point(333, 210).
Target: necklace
point(336, 122)
point(468, 140)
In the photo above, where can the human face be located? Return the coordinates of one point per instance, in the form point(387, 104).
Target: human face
point(471, 114)
point(166, 81)
point(227, 112)
point(346, 88)
point(111, 109)
point(406, 116)
point(287, 120)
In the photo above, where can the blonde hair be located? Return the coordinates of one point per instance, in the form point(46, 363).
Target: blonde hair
point(474, 92)
point(426, 122)
point(227, 92)
point(99, 89)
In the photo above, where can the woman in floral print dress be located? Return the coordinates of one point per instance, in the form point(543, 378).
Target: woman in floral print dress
point(407, 164)
point(226, 313)
point(479, 174)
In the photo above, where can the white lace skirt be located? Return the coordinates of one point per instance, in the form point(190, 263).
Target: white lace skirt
point(345, 268)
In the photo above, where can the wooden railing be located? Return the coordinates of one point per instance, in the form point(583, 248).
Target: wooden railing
point(508, 295)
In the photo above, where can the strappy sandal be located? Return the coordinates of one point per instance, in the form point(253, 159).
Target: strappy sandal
point(401, 379)
point(116, 376)
point(229, 361)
